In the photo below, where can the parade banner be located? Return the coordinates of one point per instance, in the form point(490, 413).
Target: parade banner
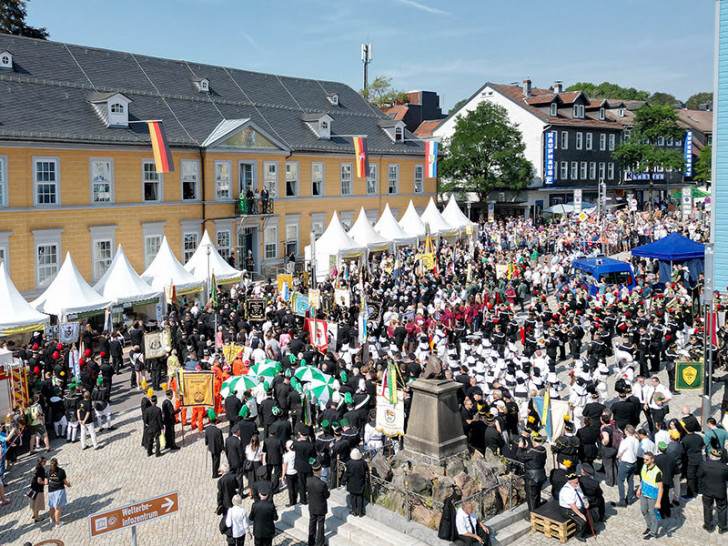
point(197, 388)
point(283, 282)
point(255, 309)
point(688, 375)
point(314, 298)
point(375, 311)
point(68, 332)
point(159, 311)
point(318, 333)
point(501, 270)
point(342, 297)
point(154, 345)
point(332, 333)
point(428, 260)
point(390, 417)
point(231, 351)
point(300, 304)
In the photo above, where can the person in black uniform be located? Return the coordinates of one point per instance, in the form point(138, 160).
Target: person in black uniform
point(623, 411)
point(153, 421)
point(168, 413)
point(117, 352)
point(355, 478)
point(492, 439)
point(235, 455)
point(567, 445)
point(214, 442)
point(575, 336)
point(263, 516)
point(273, 449)
point(318, 493)
point(592, 490)
point(533, 458)
point(713, 480)
point(227, 488)
point(594, 409)
point(233, 405)
point(305, 451)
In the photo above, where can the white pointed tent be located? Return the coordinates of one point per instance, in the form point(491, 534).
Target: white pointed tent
point(197, 265)
point(333, 243)
point(411, 223)
point(69, 295)
point(165, 271)
point(454, 216)
point(438, 225)
point(388, 227)
point(18, 315)
point(363, 233)
point(122, 284)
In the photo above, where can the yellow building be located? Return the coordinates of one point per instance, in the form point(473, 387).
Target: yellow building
point(77, 172)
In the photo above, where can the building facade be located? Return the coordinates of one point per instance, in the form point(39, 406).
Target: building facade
point(77, 172)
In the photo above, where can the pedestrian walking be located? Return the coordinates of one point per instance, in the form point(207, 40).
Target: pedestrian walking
point(263, 514)
point(214, 441)
point(713, 480)
point(36, 495)
point(318, 494)
point(355, 479)
point(57, 484)
point(237, 522)
point(649, 492)
point(86, 421)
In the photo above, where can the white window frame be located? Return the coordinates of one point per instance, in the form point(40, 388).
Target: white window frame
point(315, 178)
point(620, 111)
point(102, 234)
point(554, 109)
point(100, 264)
point(421, 178)
point(579, 140)
point(574, 170)
point(220, 165)
point(4, 200)
point(610, 171)
point(670, 141)
point(270, 245)
point(602, 113)
point(182, 180)
point(225, 250)
point(56, 182)
point(5, 249)
point(293, 221)
point(564, 140)
point(592, 170)
point(346, 186)
point(612, 142)
point(270, 178)
point(583, 170)
point(578, 111)
point(602, 142)
point(393, 190)
point(47, 238)
point(151, 230)
point(159, 181)
point(290, 166)
point(589, 141)
point(347, 219)
point(373, 179)
point(91, 164)
point(602, 170)
point(564, 170)
point(399, 134)
point(660, 141)
point(188, 252)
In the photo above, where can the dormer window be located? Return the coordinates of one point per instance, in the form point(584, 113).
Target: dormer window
point(6, 60)
point(621, 111)
point(554, 109)
point(579, 111)
point(602, 113)
point(112, 108)
point(333, 98)
point(202, 84)
point(319, 124)
point(398, 134)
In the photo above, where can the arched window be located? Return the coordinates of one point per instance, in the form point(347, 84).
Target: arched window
point(117, 108)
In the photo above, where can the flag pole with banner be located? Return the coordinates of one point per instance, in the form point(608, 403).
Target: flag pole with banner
point(431, 158)
point(362, 156)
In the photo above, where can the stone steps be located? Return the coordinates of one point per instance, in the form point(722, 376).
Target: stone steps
point(512, 532)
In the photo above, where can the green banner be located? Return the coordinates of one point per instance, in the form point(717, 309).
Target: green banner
point(688, 376)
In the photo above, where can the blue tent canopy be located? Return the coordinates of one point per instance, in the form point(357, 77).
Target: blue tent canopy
point(673, 248)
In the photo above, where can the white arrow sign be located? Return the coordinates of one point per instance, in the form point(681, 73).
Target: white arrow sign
point(168, 504)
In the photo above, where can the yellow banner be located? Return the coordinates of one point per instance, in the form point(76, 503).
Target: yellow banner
point(428, 260)
point(230, 351)
point(197, 389)
point(287, 279)
point(22, 329)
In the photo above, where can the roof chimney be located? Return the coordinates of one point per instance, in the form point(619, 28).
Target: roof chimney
point(558, 87)
point(527, 87)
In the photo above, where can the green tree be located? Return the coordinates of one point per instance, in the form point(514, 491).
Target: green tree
point(485, 153)
point(699, 98)
point(607, 90)
point(704, 165)
point(459, 104)
point(12, 20)
point(642, 153)
point(663, 98)
point(381, 93)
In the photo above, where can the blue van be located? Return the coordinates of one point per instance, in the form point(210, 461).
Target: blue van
point(591, 272)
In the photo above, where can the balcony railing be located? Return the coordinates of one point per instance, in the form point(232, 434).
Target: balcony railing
point(253, 207)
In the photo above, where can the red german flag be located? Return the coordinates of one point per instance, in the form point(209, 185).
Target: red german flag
point(162, 153)
point(362, 159)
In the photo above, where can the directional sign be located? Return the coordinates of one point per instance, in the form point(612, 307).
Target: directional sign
point(133, 514)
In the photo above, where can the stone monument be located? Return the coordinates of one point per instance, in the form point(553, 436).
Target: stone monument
point(434, 428)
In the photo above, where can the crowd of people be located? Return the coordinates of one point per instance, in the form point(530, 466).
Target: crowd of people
point(503, 313)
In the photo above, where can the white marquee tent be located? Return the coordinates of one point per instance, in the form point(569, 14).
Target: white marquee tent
point(363, 233)
point(333, 243)
point(411, 223)
point(165, 271)
point(17, 314)
point(121, 284)
point(388, 227)
point(197, 265)
point(438, 225)
point(69, 295)
point(454, 216)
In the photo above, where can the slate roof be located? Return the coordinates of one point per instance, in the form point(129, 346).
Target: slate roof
point(427, 127)
point(46, 98)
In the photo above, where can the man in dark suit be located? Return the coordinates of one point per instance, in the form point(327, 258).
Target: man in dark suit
point(117, 352)
point(235, 455)
point(318, 493)
point(214, 442)
point(355, 479)
point(168, 413)
point(263, 516)
point(153, 420)
point(227, 488)
point(273, 450)
point(305, 451)
point(233, 405)
point(713, 480)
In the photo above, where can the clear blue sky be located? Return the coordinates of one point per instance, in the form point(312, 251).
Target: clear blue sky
point(451, 47)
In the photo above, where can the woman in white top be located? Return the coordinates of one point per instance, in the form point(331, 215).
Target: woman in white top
point(627, 456)
point(289, 473)
point(237, 521)
point(253, 460)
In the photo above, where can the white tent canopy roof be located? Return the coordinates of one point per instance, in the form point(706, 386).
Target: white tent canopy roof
point(363, 233)
point(411, 223)
point(69, 293)
point(333, 242)
point(165, 270)
point(17, 314)
point(388, 227)
point(453, 215)
point(121, 284)
point(438, 225)
point(198, 262)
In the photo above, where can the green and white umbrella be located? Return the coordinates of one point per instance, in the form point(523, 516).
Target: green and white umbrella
point(237, 384)
point(322, 386)
point(306, 373)
point(265, 370)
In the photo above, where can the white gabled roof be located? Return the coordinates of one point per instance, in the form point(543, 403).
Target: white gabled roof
point(411, 223)
point(17, 314)
point(433, 218)
point(197, 265)
point(122, 284)
point(388, 226)
point(165, 271)
point(363, 233)
point(69, 293)
point(453, 215)
point(223, 129)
